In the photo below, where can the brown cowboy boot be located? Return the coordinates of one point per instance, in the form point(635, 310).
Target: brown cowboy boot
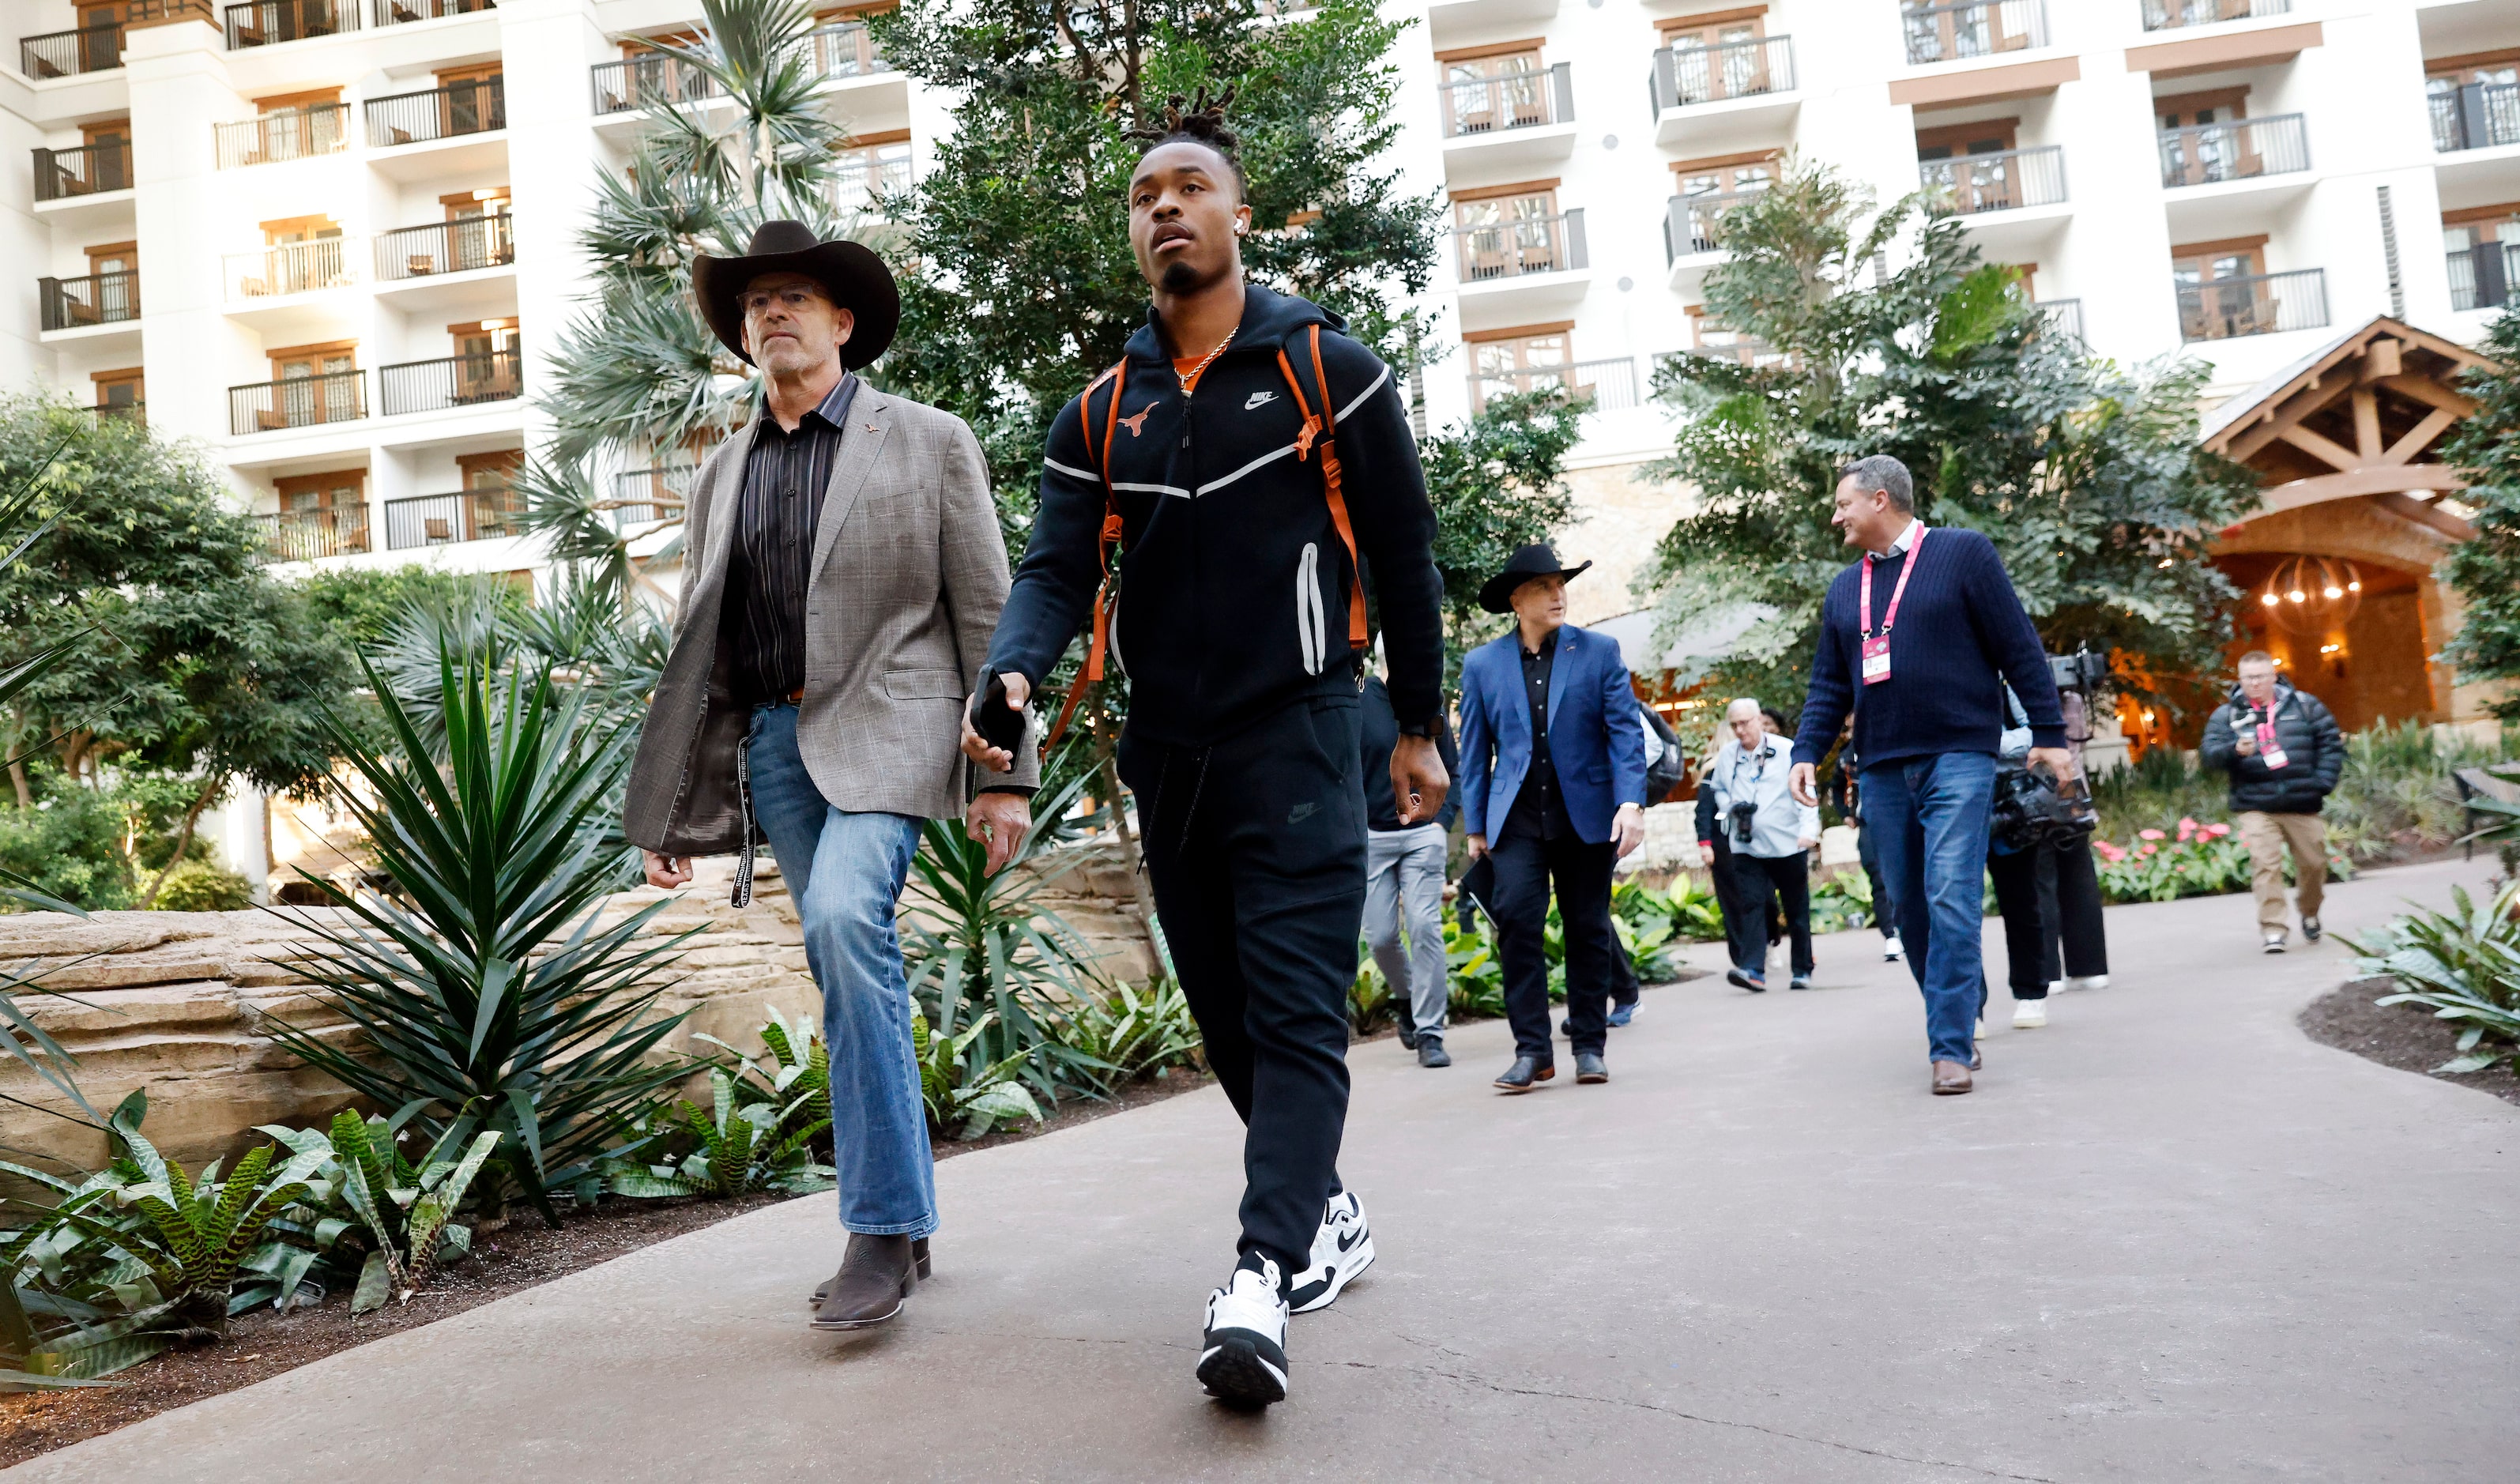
point(917, 1255)
point(876, 1274)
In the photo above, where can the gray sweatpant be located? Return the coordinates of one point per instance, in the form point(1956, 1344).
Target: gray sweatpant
point(1404, 887)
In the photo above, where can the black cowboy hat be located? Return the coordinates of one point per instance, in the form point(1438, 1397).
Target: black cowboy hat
point(856, 279)
point(1537, 559)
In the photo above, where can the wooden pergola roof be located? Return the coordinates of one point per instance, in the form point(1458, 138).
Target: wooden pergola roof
point(2360, 418)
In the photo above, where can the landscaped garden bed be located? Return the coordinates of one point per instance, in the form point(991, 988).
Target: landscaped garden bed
point(2407, 1037)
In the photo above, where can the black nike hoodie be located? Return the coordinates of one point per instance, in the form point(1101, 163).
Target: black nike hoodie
point(1233, 594)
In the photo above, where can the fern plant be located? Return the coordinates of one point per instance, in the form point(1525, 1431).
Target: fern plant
point(978, 1099)
point(364, 1193)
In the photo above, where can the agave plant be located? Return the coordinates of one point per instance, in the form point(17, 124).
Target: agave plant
point(985, 957)
point(979, 1100)
point(2464, 963)
point(361, 1188)
point(497, 999)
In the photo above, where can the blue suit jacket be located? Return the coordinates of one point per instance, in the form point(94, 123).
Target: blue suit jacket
point(1596, 738)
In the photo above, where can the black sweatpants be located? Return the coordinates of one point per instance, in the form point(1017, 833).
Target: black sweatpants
point(2028, 932)
point(1525, 867)
point(1255, 847)
point(1756, 880)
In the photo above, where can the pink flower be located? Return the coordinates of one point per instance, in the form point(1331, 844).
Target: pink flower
point(2108, 852)
point(2187, 827)
point(2149, 834)
point(2217, 832)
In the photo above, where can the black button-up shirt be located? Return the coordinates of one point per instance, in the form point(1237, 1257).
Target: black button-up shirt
point(784, 476)
point(1539, 808)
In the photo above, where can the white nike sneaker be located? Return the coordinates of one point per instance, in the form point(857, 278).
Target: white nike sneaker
point(2089, 982)
point(1891, 949)
point(1342, 1248)
point(1243, 1355)
point(2029, 1015)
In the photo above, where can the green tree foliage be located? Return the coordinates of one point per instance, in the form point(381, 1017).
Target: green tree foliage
point(1018, 284)
point(1495, 486)
point(1891, 336)
point(189, 660)
point(2486, 571)
point(363, 605)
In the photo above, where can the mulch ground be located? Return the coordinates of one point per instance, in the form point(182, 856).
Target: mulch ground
point(2404, 1036)
point(526, 1252)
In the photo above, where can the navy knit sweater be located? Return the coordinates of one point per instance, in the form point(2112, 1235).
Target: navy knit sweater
point(1961, 634)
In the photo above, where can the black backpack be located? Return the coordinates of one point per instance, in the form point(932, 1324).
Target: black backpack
point(1664, 772)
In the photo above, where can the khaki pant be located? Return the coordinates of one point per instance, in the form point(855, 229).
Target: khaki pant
point(2266, 836)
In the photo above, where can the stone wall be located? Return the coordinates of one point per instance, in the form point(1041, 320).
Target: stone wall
point(180, 1002)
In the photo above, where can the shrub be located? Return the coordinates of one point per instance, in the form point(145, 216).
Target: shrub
point(955, 1093)
point(2464, 963)
point(364, 1195)
point(198, 886)
point(1138, 1031)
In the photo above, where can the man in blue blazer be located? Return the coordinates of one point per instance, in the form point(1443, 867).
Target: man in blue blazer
point(1553, 788)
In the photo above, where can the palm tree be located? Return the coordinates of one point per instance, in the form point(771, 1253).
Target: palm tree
point(736, 133)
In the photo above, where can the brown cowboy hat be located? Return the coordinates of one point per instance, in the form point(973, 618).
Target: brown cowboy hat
point(856, 279)
point(1538, 559)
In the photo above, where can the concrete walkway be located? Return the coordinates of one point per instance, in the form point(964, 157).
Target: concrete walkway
point(2169, 1238)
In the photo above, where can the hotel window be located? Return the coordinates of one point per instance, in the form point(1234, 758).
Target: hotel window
point(317, 384)
point(305, 495)
point(870, 167)
point(1718, 57)
point(2480, 246)
point(1510, 230)
point(1489, 88)
point(1709, 187)
point(1524, 359)
point(120, 390)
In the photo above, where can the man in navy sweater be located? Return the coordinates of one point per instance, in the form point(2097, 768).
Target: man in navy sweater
point(1922, 662)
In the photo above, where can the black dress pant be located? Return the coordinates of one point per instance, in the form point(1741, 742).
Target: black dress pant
point(1255, 848)
point(1758, 880)
point(2069, 883)
point(2028, 932)
point(1885, 912)
point(1525, 865)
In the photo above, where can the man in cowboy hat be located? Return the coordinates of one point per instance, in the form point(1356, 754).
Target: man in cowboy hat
point(1554, 788)
point(842, 572)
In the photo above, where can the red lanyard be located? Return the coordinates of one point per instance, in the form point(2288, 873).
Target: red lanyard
point(1897, 590)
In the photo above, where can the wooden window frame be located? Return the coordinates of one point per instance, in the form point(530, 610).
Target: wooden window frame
point(502, 462)
point(279, 103)
point(1516, 332)
point(2468, 216)
point(129, 250)
point(1955, 135)
point(2455, 69)
point(317, 352)
point(133, 376)
point(2184, 104)
point(1547, 186)
point(322, 484)
point(2254, 247)
point(296, 223)
point(1668, 26)
point(479, 71)
point(119, 129)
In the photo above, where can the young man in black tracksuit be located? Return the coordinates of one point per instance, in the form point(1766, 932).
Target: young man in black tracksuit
point(1237, 617)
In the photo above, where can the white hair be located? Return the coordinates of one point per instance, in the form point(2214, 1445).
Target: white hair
point(1741, 701)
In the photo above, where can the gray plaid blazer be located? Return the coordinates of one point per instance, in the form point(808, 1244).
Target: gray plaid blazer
point(909, 575)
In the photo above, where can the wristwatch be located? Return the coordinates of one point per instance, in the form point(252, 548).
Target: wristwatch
point(1422, 729)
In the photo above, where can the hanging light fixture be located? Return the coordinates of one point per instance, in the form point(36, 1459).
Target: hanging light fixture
point(2310, 595)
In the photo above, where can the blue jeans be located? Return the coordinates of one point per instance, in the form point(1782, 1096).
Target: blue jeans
point(1929, 815)
point(845, 872)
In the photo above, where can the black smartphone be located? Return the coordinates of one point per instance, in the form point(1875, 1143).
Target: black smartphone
point(999, 724)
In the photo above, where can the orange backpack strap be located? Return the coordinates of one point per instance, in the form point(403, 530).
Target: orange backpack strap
point(1109, 541)
point(1324, 428)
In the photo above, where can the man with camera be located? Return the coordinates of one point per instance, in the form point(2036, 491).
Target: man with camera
point(1772, 836)
point(2284, 753)
point(1922, 672)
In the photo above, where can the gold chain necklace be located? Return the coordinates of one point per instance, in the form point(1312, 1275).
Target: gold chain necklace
point(1200, 369)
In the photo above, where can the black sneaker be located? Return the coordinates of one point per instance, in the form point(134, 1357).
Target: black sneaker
point(1243, 1352)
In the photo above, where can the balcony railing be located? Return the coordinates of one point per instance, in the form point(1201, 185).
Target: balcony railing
point(641, 495)
point(2064, 317)
point(859, 185)
point(2003, 181)
point(472, 514)
point(1689, 223)
point(1520, 248)
point(304, 268)
point(267, 23)
point(1694, 74)
point(338, 396)
point(647, 82)
point(1733, 345)
point(302, 536)
point(88, 170)
point(1611, 385)
point(2264, 303)
point(2475, 116)
point(847, 48)
point(2168, 15)
point(2204, 154)
point(302, 133)
point(404, 12)
point(455, 110)
point(455, 381)
point(100, 298)
point(2484, 276)
point(450, 246)
point(1974, 28)
point(1514, 101)
point(64, 54)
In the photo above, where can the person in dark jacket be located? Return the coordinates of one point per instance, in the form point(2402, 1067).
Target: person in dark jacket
point(1404, 885)
point(2284, 753)
point(1218, 450)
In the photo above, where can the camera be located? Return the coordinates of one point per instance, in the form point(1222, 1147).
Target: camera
point(2080, 670)
point(1745, 823)
point(2031, 810)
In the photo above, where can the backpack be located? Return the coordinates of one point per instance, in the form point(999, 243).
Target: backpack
point(1316, 426)
point(1665, 771)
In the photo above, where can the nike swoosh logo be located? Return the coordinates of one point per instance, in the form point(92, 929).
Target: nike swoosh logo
point(1260, 399)
point(1349, 1239)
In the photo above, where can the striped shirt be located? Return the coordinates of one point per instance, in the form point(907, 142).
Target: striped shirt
point(784, 476)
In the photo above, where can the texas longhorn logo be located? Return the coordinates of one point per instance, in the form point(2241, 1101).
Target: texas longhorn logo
point(1136, 423)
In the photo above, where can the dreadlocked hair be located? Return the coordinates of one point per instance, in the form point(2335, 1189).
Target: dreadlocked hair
point(1199, 121)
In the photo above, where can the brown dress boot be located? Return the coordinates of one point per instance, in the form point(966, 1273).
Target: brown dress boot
point(918, 1256)
point(1951, 1077)
point(876, 1274)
